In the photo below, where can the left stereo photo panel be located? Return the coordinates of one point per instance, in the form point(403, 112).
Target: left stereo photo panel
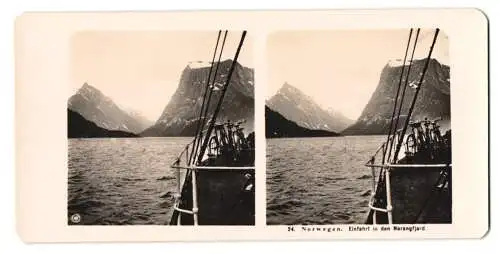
point(161, 128)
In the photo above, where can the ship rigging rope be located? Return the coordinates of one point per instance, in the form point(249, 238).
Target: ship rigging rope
point(199, 126)
point(221, 99)
point(385, 147)
point(419, 86)
point(204, 116)
point(398, 115)
point(397, 96)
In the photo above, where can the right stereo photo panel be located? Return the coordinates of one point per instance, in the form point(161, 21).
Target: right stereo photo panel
point(358, 127)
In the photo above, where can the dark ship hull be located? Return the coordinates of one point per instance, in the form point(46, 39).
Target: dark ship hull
point(420, 192)
point(225, 193)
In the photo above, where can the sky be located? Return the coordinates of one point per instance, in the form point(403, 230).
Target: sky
point(341, 69)
point(140, 70)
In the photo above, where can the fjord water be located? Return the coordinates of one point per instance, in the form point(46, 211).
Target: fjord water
point(123, 180)
point(319, 180)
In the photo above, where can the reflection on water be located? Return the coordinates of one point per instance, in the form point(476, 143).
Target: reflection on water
point(319, 180)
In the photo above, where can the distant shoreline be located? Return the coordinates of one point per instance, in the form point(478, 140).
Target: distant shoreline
point(130, 137)
point(335, 136)
point(339, 136)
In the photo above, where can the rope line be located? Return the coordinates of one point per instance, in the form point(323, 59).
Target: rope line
point(410, 111)
point(403, 94)
point(397, 96)
point(393, 132)
point(204, 116)
point(191, 173)
point(205, 95)
point(221, 99)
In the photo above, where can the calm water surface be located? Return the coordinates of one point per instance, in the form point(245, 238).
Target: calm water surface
point(319, 180)
point(123, 180)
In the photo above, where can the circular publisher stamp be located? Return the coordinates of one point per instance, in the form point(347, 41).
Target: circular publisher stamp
point(75, 218)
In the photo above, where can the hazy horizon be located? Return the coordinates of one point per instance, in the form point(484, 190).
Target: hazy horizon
point(340, 69)
point(140, 70)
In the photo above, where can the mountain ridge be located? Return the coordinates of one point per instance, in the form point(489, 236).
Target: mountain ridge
point(96, 107)
point(302, 109)
point(180, 115)
point(433, 100)
point(277, 126)
point(79, 127)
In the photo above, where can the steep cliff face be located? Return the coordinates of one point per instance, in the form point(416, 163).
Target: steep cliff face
point(179, 118)
point(296, 106)
point(79, 127)
point(94, 106)
point(433, 100)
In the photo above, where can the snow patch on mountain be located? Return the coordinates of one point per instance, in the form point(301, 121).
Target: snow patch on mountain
point(180, 115)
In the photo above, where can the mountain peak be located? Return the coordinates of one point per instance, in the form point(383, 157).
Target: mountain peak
point(287, 85)
point(433, 99)
point(296, 106)
point(89, 91)
point(179, 116)
point(286, 88)
point(96, 107)
point(86, 86)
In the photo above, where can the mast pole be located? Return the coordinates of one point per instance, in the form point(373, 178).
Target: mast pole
point(199, 127)
point(217, 109)
point(410, 111)
point(204, 115)
point(384, 151)
point(403, 94)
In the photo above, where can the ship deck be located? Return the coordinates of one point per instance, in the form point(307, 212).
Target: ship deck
point(418, 195)
point(225, 195)
point(420, 191)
